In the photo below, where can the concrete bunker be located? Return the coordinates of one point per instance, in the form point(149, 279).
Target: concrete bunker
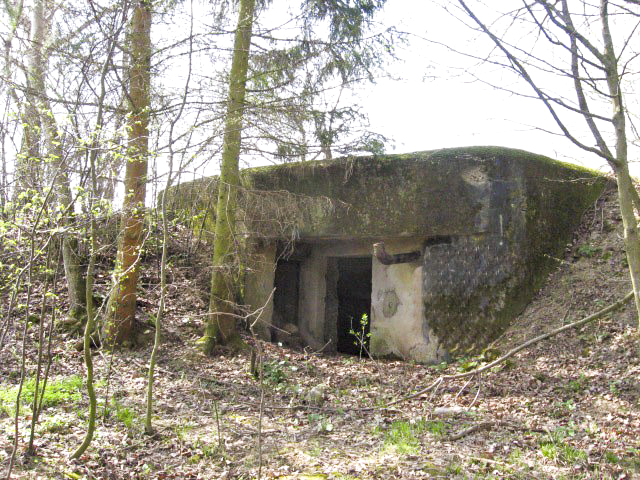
point(468, 236)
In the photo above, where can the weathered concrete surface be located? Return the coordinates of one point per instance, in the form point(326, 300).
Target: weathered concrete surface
point(489, 222)
point(398, 326)
point(258, 288)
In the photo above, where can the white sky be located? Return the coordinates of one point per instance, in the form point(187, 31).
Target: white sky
point(429, 108)
point(432, 99)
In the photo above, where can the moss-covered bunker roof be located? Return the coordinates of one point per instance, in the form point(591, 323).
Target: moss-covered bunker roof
point(453, 191)
point(439, 192)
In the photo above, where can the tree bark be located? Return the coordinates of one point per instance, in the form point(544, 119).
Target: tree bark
point(626, 190)
point(121, 308)
point(221, 323)
point(40, 111)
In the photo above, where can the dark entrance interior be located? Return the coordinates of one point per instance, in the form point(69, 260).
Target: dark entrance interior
point(285, 298)
point(354, 301)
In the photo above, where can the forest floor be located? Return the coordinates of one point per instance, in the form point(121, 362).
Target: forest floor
point(567, 407)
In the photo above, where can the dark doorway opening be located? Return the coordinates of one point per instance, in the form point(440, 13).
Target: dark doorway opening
point(354, 301)
point(285, 298)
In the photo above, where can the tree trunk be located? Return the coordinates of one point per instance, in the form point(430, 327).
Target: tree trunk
point(626, 190)
point(121, 307)
point(221, 324)
point(39, 109)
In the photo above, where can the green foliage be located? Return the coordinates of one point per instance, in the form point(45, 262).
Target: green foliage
point(611, 457)
point(436, 427)
point(578, 385)
point(563, 409)
point(125, 415)
point(402, 436)
point(58, 391)
point(556, 448)
point(587, 250)
point(468, 365)
point(322, 423)
point(274, 372)
point(361, 335)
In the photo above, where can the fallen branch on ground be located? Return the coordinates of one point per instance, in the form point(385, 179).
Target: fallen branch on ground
point(511, 353)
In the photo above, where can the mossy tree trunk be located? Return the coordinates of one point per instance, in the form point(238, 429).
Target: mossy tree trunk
point(221, 323)
point(121, 308)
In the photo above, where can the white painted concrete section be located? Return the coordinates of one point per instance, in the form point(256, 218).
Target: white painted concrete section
point(398, 325)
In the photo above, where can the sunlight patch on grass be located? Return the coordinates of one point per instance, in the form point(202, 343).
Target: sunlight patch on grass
point(59, 390)
point(402, 436)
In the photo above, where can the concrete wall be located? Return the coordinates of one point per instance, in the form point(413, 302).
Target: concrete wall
point(258, 288)
point(398, 324)
point(488, 220)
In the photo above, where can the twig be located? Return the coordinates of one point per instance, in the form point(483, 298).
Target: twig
point(220, 442)
point(261, 410)
point(511, 353)
point(464, 387)
point(473, 429)
point(477, 394)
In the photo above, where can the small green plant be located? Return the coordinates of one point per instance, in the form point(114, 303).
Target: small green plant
point(578, 385)
point(361, 334)
point(401, 435)
point(58, 391)
point(555, 447)
point(441, 366)
point(563, 409)
point(323, 423)
point(125, 415)
point(587, 250)
point(436, 427)
point(182, 431)
point(611, 457)
point(614, 387)
point(466, 365)
point(563, 453)
point(274, 372)
point(454, 469)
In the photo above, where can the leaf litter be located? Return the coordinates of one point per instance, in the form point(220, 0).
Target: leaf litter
point(567, 407)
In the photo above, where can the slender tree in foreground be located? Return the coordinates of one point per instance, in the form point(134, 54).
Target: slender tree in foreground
point(333, 46)
point(148, 427)
point(121, 308)
point(90, 326)
point(221, 328)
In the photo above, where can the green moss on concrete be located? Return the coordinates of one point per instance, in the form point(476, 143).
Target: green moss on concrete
point(372, 196)
point(377, 343)
point(527, 204)
point(542, 209)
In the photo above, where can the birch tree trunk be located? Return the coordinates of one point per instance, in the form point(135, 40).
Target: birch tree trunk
point(221, 322)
